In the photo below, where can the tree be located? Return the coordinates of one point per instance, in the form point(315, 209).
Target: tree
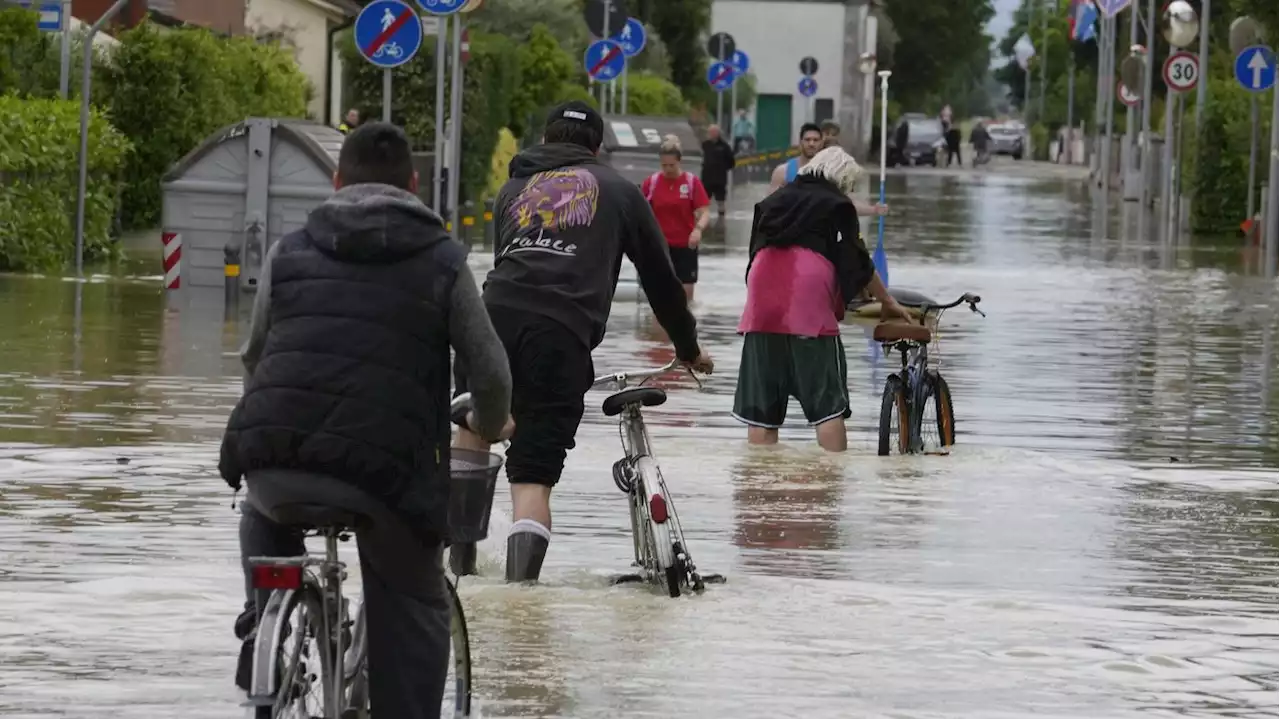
point(934, 36)
point(545, 69)
point(682, 25)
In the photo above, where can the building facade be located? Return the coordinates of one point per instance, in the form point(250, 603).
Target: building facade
point(777, 35)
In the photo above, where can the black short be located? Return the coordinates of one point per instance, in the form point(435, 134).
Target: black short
point(685, 260)
point(551, 372)
point(714, 191)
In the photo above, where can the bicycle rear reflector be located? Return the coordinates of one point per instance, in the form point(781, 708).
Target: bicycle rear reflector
point(658, 508)
point(277, 576)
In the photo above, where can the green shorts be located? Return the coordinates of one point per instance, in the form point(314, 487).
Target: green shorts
point(777, 367)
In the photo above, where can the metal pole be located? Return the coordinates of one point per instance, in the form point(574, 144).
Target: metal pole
point(1177, 170)
point(719, 107)
point(1099, 98)
point(625, 63)
point(1253, 154)
point(1166, 175)
point(1043, 55)
point(64, 68)
point(604, 35)
point(441, 39)
point(1202, 82)
point(1071, 105)
point(86, 84)
point(386, 94)
point(1109, 111)
point(1130, 113)
point(455, 115)
point(733, 112)
point(1144, 139)
point(1269, 225)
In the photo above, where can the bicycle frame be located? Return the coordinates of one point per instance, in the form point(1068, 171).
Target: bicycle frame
point(915, 362)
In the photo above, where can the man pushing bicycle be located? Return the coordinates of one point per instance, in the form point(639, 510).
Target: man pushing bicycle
point(564, 222)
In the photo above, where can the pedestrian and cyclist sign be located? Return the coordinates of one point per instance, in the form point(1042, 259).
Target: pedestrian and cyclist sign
point(388, 33)
point(604, 60)
point(631, 39)
point(444, 7)
point(1256, 68)
point(808, 86)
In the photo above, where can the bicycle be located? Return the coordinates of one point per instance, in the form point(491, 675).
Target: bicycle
point(307, 610)
point(391, 50)
point(909, 392)
point(661, 552)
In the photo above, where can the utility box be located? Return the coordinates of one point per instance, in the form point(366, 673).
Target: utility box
point(631, 144)
point(244, 187)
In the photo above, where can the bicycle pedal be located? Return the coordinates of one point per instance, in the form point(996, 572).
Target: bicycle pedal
point(714, 579)
point(626, 579)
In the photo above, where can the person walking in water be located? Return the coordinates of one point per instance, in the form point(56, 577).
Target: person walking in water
point(744, 132)
point(680, 203)
point(717, 163)
point(810, 143)
point(805, 262)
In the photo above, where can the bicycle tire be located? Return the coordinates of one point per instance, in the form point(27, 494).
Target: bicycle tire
point(460, 642)
point(946, 412)
point(309, 597)
point(894, 402)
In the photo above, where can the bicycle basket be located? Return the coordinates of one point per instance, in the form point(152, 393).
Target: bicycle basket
point(473, 477)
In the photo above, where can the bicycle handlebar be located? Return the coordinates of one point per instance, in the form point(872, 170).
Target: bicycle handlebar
point(620, 379)
point(971, 299)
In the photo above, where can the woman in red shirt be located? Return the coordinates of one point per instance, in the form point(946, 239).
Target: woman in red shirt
point(680, 203)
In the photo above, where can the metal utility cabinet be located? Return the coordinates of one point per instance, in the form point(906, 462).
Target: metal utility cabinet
point(242, 189)
point(631, 144)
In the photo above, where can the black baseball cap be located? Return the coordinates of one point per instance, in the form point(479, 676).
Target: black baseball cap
point(578, 111)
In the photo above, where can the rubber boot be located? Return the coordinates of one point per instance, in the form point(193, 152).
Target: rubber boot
point(525, 551)
point(462, 558)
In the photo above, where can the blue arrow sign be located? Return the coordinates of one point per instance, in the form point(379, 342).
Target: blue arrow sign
point(50, 19)
point(604, 59)
point(388, 33)
point(720, 76)
point(1256, 68)
point(808, 86)
point(739, 61)
point(1111, 8)
point(631, 38)
point(442, 7)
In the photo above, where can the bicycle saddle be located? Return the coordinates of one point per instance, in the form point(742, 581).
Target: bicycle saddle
point(309, 500)
point(647, 396)
point(887, 332)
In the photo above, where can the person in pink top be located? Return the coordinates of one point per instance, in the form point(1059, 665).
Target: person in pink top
point(806, 261)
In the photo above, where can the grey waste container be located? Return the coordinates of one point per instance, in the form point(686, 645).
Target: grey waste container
point(246, 186)
point(631, 144)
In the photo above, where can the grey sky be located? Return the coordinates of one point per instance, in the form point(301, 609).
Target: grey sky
point(1003, 20)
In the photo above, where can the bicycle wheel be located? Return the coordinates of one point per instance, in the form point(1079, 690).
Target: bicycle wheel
point(304, 659)
point(946, 419)
point(895, 418)
point(650, 498)
point(457, 693)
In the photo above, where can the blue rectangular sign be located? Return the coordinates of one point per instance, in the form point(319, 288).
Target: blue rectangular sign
point(50, 14)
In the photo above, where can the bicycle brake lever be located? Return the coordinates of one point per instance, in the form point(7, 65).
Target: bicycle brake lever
point(694, 375)
point(975, 309)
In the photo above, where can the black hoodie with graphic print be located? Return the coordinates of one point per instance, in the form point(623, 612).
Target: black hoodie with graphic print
point(564, 222)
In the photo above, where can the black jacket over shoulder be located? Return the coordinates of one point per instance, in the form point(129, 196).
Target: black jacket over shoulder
point(354, 381)
point(812, 213)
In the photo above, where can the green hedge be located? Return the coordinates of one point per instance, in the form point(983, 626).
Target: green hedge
point(39, 170)
point(1217, 180)
point(167, 90)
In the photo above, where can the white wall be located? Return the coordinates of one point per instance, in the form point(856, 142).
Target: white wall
point(777, 35)
point(305, 25)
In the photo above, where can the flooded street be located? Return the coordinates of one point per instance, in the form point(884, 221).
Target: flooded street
point(1101, 543)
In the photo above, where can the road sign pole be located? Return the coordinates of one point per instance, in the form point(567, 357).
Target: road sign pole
point(441, 39)
point(1177, 170)
point(64, 67)
point(386, 94)
point(1144, 140)
point(1071, 106)
point(1202, 80)
point(719, 107)
point(733, 111)
point(455, 116)
point(625, 63)
point(1043, 55)
point(1131, 112)
point(86, 83)
point(1166, 176)
point(604, 35)
point(1253, 152)
point(1109, 111)
point(1269, 223)
point(884, 145)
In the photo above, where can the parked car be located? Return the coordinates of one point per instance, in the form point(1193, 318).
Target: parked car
point(1007, 139)
point(924, 141)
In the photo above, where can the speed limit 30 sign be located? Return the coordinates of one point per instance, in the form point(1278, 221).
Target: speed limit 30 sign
point(1181, 71)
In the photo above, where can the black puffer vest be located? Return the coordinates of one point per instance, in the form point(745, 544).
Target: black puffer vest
point(354, 378)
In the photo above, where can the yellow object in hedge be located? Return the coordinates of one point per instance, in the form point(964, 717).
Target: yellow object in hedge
point(506, 149)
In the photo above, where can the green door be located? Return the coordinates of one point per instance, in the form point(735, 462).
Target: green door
point(773, 122)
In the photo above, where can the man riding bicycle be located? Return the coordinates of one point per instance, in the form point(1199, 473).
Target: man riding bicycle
point(564, 222)
point(346, 404)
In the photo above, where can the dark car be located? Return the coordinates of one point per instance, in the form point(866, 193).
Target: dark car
point(924, 140)
point(1006, 139)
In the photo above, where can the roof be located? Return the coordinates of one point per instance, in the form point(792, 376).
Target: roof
point(318, 141)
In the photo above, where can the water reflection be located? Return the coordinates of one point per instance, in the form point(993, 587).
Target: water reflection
point(1101, 543)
